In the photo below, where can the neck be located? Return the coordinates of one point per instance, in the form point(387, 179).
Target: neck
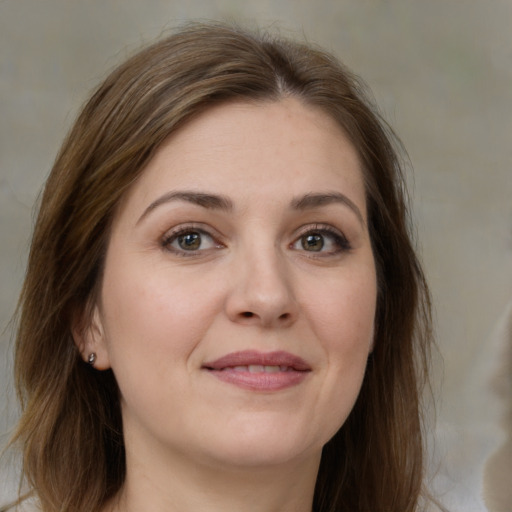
point(183, 484)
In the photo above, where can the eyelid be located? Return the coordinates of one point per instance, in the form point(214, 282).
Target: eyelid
point(172, 234)
point(339, 237)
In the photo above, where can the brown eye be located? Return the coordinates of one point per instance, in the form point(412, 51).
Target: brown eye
point(323, 240)
point(312, 242)
point(189, 241)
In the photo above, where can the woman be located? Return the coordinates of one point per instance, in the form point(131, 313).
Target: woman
point(222, 308)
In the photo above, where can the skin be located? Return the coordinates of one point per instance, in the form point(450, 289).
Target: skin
point(193, 441)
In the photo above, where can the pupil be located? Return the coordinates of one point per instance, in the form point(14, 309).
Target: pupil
point(313, 242)
point(190, 241)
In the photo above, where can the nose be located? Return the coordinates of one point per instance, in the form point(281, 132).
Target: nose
point(261, 292)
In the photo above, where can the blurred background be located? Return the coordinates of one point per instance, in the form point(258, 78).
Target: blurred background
point(441, 72)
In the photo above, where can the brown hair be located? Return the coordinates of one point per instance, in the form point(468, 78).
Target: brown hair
point(70, 429)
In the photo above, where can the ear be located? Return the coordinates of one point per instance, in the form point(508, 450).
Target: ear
point(89, 337)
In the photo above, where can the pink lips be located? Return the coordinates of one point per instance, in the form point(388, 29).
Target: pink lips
point(249, 369)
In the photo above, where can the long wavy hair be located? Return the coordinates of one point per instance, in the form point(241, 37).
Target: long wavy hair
point(70, 430)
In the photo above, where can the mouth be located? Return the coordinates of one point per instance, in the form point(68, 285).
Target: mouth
point(263, 371)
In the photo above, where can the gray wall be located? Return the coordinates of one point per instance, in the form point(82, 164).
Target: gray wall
point(441, 71)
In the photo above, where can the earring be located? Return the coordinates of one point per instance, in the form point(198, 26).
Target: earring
point(92, 358)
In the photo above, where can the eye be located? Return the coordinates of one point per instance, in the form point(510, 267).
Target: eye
point(312, 242)
point(323, 240)
point(189, 240)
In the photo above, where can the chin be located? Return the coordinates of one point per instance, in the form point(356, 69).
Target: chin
point(263, 444)
point(253, 456)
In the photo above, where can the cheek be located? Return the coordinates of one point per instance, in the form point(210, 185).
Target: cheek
point(344, 325)
point(152, 316)
point(343, 314)
point(153, 323)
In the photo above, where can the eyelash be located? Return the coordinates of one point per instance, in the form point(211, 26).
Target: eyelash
point(339, 240)
point(174, 235)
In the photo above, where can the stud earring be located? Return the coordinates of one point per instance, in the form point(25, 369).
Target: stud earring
point(92, 358)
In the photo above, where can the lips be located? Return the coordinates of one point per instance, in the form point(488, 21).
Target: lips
point(264, 371)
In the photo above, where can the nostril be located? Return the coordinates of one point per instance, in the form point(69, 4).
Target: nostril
point(247, 314)
point(284, 316)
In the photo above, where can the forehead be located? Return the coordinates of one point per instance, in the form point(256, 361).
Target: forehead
point(259, 149)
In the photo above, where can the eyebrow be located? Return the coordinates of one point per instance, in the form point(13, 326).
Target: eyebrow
point(219, 202)
point(208, 201)
point(310, 201)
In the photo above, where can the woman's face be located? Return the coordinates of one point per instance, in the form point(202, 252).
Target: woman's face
point(239, 289)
